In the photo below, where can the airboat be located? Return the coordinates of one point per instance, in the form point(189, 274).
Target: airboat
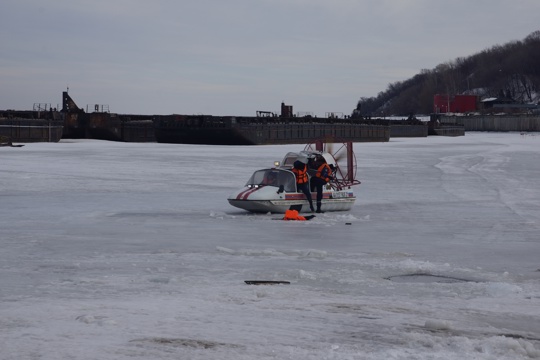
point(274, 189)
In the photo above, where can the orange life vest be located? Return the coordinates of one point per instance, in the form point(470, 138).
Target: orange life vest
point(324, 175)
point(293, 215)
point(301, 175)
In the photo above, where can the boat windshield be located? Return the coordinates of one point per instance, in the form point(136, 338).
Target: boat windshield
point(289, 160)
point(273, 177)
point(291, 157)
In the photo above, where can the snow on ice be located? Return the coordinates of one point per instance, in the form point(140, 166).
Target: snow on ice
point(131, 251)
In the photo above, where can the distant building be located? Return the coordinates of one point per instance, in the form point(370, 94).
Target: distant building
point(443, 103)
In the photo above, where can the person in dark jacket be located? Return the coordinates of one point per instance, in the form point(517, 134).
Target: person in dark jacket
point(322, 177)
point(302, 180)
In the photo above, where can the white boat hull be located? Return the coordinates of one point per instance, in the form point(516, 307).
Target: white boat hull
point(264, 199)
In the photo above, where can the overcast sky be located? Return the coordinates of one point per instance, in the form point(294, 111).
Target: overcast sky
point(234, 57)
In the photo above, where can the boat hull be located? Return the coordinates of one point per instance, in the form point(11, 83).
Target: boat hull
point(266, 199)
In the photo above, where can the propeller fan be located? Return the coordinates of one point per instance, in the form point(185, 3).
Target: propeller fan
point(343, 154)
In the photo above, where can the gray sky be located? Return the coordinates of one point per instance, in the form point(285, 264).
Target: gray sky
point(234, 57)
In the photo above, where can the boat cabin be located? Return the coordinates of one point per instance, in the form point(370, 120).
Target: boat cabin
point(273, 177)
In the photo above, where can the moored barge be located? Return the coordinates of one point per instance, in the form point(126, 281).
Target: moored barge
point(30, 126)
point(99, 123)
point(266, 129)
point(232, 130)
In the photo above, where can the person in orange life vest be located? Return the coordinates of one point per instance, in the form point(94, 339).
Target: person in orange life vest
point(322, 177)
point(293, 215)
point(302, 180)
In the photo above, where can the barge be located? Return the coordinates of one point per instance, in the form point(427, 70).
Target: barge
point(98, 123)
point(266, 129)
point(30, 126)
point(229, 130)
point(263, 129)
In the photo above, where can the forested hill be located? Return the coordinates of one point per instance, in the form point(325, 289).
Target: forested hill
point(511, 71)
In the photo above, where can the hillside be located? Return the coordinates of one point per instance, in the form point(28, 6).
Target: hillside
point(511, 71)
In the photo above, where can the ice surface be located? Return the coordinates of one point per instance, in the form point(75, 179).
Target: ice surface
point(131, 251)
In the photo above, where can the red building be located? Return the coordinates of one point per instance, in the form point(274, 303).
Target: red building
point(443, 103)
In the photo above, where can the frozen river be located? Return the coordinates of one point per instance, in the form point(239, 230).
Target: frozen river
point(130, 251)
